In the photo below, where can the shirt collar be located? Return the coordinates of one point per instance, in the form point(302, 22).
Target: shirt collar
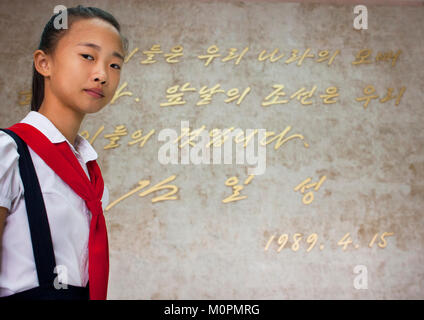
point(43, 124)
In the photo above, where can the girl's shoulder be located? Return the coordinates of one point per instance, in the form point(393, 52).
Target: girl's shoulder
point(10, 180)
point(8, 147)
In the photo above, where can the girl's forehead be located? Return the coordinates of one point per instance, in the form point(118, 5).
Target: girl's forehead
point(92, 30)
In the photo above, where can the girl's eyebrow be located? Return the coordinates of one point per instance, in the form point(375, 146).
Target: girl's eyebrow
point(98, 48)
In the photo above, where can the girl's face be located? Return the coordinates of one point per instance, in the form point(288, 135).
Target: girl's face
point(89, 55)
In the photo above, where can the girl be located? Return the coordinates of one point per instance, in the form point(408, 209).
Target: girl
point(52, 229)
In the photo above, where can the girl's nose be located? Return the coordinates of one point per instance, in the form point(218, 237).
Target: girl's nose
point(102, 81)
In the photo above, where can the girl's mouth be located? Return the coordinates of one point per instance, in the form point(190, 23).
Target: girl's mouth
point(93, 94)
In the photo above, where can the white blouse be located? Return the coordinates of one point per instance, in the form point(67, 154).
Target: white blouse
point(68, 215)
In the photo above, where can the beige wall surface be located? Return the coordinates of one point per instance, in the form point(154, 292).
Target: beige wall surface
point(197, 246)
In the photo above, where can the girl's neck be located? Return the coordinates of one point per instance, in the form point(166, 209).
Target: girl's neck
point(66, 120)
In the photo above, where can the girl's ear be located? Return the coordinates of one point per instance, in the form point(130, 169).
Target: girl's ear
point(42, 63)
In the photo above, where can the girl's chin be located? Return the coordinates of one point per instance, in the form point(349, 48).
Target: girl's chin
point(90, 108)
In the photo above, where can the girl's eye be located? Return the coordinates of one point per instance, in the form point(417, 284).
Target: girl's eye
point(115, 66)
point(87, 55)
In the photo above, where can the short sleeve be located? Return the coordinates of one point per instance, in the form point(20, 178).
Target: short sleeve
point(10, 179)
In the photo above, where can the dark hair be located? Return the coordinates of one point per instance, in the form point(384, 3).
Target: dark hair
point(51, 36)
